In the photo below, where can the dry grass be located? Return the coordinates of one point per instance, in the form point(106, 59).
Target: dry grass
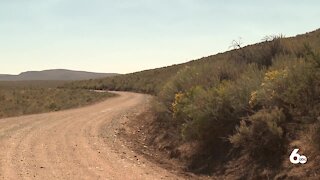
point(16, 101)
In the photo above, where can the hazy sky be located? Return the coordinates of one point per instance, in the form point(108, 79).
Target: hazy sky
point(131, 35)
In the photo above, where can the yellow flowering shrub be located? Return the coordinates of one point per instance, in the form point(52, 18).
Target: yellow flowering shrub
point(253, 98)
point(271, 81)
point(178, 97)
point(275, 74)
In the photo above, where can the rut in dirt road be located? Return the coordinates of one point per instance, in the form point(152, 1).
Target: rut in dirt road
point(74, 144)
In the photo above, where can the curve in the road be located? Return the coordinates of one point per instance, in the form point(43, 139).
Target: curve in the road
point(73, 144)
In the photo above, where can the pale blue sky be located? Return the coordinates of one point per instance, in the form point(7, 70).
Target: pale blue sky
point(131, 35)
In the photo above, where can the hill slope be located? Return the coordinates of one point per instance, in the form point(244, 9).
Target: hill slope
point(238, 114)
point(151, 81)
point(54, 74)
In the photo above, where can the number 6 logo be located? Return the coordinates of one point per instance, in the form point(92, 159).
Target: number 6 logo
point(295, 158)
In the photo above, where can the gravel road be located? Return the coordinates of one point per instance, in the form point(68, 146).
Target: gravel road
point(74, 144)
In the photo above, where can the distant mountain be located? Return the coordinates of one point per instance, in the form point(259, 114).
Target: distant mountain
point(54, 74)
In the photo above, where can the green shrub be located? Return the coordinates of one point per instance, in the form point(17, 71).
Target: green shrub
point(207, 75)
point(53, 107)
point(312, 136)
point(239, 90)
point(205, 115)
point(292, 84)
point(260, 137)
point(210, 114)
point(182, 81)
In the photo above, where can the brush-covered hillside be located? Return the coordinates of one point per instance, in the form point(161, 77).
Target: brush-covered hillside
point(237, 114)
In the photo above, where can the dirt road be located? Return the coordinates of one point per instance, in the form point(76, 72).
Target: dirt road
point(74, 144)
